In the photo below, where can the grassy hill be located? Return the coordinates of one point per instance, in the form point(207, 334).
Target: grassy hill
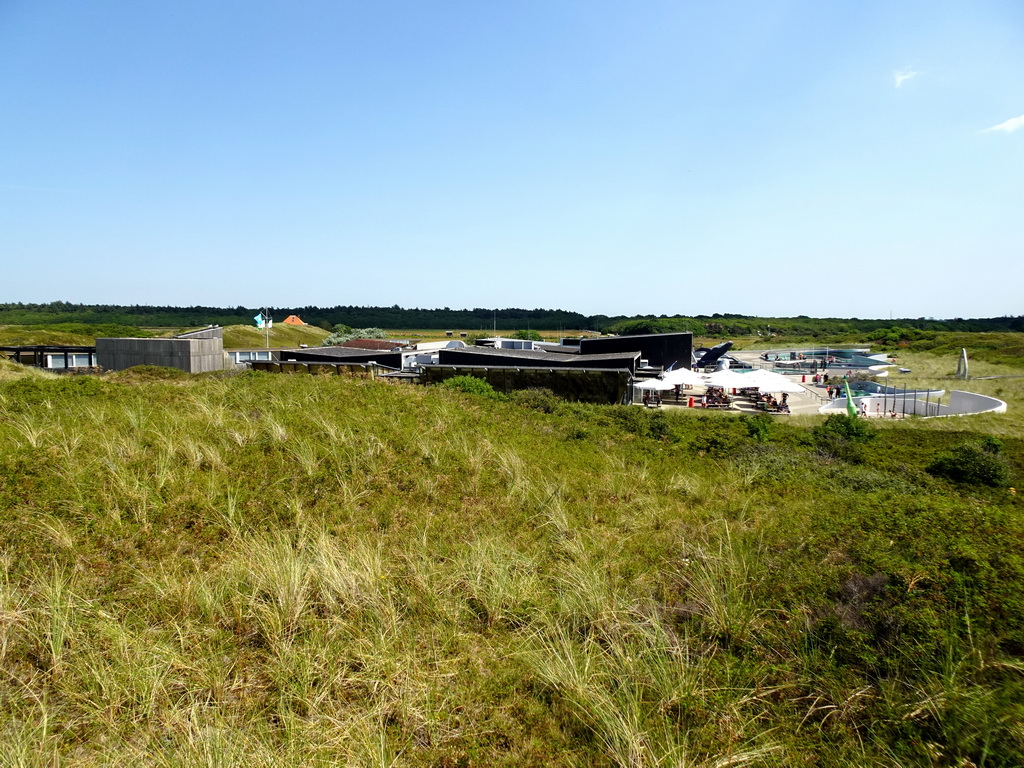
point(74, 334)
point(85, 335)
point(281, 335)
point(303, 570)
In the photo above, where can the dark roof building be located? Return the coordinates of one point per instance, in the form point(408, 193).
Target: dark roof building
point(660, 350)
point(341, 355)
point(385, 344)
point(531, 358)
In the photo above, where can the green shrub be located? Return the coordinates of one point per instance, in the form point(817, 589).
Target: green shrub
point(642, 422)
point(843, 437)
point(759, 426)
point(972, 464)
point(472, 385)
point(26, 392)
point(537, 398)
point(720, 438)
point(848, 427)
point(341, 335)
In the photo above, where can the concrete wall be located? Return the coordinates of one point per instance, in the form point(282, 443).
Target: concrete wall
point(874, 388)
point(192, 355)
point(960, 404)
point(963, 403)
point(904, 406)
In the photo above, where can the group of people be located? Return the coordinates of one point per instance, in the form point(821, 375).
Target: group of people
point(878, 410)
point(771, 402)
point(652, 400)
point(714, 396)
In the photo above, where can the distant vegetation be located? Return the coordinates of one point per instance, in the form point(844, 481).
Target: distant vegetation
point(303, 570)
point(75, 334)
point(343, 333)
point(395, 317)
point(994, 340)
point(797, 328)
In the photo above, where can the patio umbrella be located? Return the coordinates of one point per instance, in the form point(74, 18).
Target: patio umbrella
point(768, 381)
point(655, 384)
point(728, 379)
point(683, 376)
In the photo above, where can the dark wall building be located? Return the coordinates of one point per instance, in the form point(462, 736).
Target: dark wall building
point(526, 358)
point(341, 355)
point(660, 350)
point(587, 385)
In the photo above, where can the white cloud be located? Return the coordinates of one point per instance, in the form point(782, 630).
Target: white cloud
point(900, 76)
point(1009, 126)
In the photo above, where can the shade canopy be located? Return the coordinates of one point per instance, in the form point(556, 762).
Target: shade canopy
point(727, 378)
point(656, 384)
point(768, 381)
point(683, 376)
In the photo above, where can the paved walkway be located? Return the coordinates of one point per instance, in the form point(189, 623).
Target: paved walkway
point(809, 401)
point(803, 403)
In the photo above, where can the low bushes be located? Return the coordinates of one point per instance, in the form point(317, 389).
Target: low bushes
point(972, 464)
point(301, 570)
point(471, 385)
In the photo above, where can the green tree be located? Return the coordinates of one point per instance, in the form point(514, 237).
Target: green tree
point(528, 335)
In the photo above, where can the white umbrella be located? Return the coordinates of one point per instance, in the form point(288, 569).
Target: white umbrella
point(728, 379)
point(769, 381)
point(683, 376)
point(656, 384)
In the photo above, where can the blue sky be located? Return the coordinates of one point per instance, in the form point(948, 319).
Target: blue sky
point(768, 158)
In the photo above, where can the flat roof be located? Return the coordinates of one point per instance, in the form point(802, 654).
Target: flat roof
point(540, 354)
point(574, 369)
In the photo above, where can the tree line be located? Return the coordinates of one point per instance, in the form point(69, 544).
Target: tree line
point(489, 319)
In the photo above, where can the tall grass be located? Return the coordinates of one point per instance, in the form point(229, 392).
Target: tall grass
point(307, 570)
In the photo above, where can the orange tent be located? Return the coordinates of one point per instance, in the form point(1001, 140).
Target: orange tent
point(293, 320)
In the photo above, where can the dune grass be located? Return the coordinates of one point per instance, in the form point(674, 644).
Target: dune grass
point(276, 570)
point(281, 335)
